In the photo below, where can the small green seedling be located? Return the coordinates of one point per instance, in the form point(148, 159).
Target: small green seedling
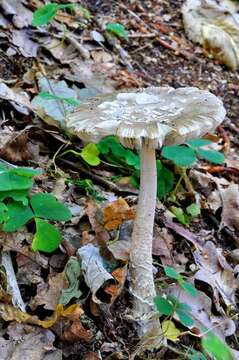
point(117, 30)
point(184, 218)
point(46, 13)
point(186, 155)
point(185, 285)
point(88, 187)
point(170, 305)
point(18, 208)
point(48, 96)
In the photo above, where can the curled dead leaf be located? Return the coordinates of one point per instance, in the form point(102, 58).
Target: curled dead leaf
point(115, 213)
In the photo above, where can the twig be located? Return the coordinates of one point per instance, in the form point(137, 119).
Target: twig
point(114, 42)
point(12, 281)
point(82, 50)
point(161, 41)
point(106, 183)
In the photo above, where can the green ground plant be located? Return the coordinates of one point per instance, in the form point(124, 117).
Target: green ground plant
point(19, 207)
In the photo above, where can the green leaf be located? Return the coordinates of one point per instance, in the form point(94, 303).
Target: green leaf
point(193, 210)
point(46, 206)
point(180, 215)
point(216, 348)
point(181, 155)
point(182, 306)
point(47, 237)
point(170, 331)
point(48, 96)
point(165, 180)
point(132, 159)
point(163, 306)
point(171, 273)
point(189, 288)
point(26, 172)
point(90, 154)
point(72, 271)
point(2, 167)
point(212, 156)
point(184, 317)
point(198, 142)
point(17, 195)
point(117, 30)
point(44, 14)
point(3, 213)
point(11, 181)
point(18, 215)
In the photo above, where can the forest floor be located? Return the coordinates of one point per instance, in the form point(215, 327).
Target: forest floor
point(204, 249)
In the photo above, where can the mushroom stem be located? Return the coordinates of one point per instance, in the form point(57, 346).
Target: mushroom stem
point(141, 267)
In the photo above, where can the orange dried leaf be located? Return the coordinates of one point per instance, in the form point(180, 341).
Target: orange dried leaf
point(115, 213)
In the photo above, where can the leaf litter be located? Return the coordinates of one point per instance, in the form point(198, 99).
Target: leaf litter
point(78, 295)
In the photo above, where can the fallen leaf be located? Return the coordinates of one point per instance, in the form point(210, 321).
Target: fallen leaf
point(15, 147)
point(116, 212)
point(28, 342)
point(48, 294)
point(72, 271)
point(114, 290)
point(18, 98)
point(22, 39)
point(163, 245)
point(214, 270)
point(22, 17)
point(95, 274)
point(230, 207)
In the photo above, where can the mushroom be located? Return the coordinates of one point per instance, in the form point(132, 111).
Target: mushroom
point(145, 120)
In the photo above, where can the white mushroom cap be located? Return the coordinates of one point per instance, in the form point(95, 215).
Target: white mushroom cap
point(153, 116)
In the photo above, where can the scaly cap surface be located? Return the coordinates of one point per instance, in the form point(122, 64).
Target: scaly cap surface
point(154, 116)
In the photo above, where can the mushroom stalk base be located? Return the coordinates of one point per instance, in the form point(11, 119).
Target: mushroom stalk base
point(141, 268)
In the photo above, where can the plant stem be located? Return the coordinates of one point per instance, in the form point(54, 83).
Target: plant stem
point(141, 268)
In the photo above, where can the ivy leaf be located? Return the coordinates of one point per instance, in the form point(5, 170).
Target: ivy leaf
point(47, 237)
point(3, 213)
point(184, 317)
point(216, 348)
point(46, 206)
point(180, 155)
point(90, 154)
point(189, 288)
point(26, 172)
point(11, 181)
point(170, 331)
point(117, 30)
point(165, 180)
point(171, 273)
point(212, 156)
point(44, 14)
point(17, 195)
point(132, 159)
point(18, 215)
point(163, 306)
point(198, 142)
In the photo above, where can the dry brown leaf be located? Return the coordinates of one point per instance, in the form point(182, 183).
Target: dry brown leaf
point(163, 245)
point(28, 342)
point(214, 270)
point(14, 146)
point(230, 210)
point(114, 290)
point(116, 212)
point(77, 332)
point(95, 216)
point(48, 294)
